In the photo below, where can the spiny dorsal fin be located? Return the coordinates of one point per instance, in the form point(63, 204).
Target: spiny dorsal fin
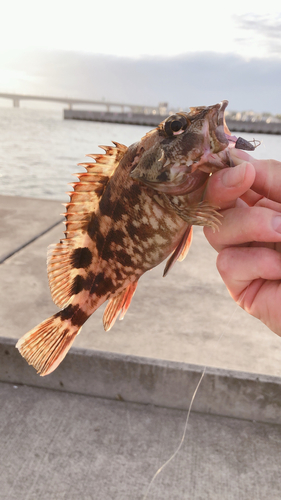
point(89, 189)
point(118, 304)
point(84, 201)
point(181, 251)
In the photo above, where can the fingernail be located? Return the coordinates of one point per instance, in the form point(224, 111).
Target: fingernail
point(276, 223)
point(232, 177)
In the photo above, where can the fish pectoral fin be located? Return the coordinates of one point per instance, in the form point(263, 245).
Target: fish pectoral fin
point(118, 305)
point(202, 214)
point(181, 251)
point(47, 344)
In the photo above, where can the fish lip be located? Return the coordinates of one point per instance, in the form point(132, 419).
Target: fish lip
point(221, 118)
point(221, 130)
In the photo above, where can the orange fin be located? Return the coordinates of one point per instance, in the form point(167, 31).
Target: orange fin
point(61, 272)
point(85, 197)
point(84, 201)
point(46, 345)
point(118, 304)
point(188, 236)
point(181, 251)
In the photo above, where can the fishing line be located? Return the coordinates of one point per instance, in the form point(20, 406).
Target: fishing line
point(191, 402)
point(238, 303)
point(182, 439)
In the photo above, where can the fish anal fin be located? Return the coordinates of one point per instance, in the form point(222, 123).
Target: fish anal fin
point(47, 344)
point(118, 305)
point(181, 251)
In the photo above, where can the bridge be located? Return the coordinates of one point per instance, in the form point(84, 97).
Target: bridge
point(70, 102)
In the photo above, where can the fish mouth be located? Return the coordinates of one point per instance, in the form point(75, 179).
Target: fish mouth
point(221, 133)
point(224, 135)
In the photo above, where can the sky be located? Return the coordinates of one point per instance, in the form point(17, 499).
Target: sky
point(185, 53)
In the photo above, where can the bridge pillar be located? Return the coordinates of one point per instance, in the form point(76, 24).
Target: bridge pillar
point(16, 102)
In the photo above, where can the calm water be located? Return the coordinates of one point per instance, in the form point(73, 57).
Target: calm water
point(39, 150)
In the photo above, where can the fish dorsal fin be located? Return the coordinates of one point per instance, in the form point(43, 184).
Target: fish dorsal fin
point(181, 251)
point(85, 197)
point(84, 201)
point(118, 304)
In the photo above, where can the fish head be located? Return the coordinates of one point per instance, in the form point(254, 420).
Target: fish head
point(178, 156)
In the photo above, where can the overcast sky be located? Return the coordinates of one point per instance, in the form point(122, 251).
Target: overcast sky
point(186, 53)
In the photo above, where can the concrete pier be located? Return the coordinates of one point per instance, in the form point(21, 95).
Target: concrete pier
point(130, 118)
point(114, 411)
point(258, 127)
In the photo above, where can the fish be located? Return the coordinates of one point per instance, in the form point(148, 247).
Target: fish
point(130, 210)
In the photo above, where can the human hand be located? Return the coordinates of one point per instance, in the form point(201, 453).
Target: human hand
point(249, 239)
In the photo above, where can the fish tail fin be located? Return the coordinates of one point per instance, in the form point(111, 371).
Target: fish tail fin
point(45, 346)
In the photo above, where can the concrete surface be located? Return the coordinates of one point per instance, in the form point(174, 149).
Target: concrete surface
point(186, 317)
point(61, 446)
point(152, 381)
point(23, 220)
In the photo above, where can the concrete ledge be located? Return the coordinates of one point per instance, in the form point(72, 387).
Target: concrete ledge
point(148, 381)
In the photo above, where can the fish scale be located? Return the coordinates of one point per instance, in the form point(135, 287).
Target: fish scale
point(130, 210)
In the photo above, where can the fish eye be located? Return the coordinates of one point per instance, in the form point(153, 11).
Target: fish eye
point(175, 125)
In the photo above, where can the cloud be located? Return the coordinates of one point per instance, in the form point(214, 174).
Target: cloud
point(183, 81)
point(267, 28)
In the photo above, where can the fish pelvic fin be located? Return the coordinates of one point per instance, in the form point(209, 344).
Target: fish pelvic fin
point(45, 346)
point(118, 305)
point(181, 251)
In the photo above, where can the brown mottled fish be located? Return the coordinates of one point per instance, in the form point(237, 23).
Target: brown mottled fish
point(133, 208)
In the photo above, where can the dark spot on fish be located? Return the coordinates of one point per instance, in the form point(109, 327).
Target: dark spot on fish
point(68, 312)
point(135, 191)
point(131, 230)
point(119, 210)
point(79, 283)
point(105, 206)
point(95, 234)
point(123, 258)
point(190, 141)
point(163, 177)
point(146, 231)
point(107, 253)
point(102, 285)
point(119, 276)
point(79, 317)
point(81, 258)
point(93, 226)
point(116, 236)
point(100, 240)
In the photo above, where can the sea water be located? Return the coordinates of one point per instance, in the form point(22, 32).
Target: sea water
point(39, 150)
